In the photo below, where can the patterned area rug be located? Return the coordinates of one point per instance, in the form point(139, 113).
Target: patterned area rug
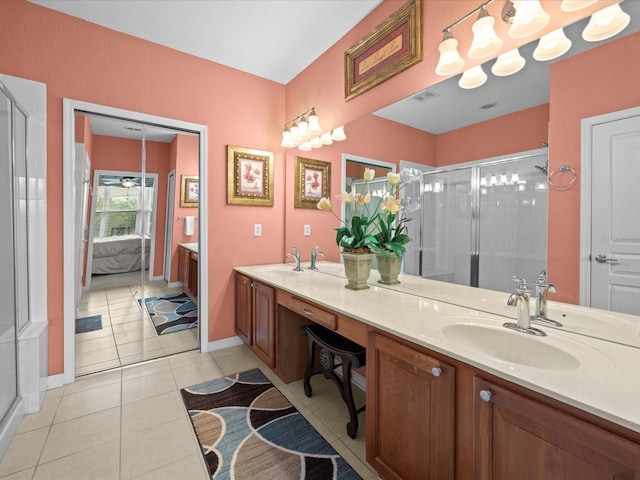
point(248, 430)
point(89, 324)
point(172, 313)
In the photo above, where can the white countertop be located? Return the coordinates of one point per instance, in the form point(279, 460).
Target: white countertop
point(606, 383)
point(190, 246)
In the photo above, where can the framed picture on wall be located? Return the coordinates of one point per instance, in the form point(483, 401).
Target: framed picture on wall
point(189, 191)
point(312, 182)
point(249, 176)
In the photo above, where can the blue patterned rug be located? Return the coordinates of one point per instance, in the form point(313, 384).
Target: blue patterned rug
point(172, 313)
point(89, 324)
point(248, 430)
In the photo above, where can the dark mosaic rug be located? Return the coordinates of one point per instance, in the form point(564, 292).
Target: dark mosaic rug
point(172, 313)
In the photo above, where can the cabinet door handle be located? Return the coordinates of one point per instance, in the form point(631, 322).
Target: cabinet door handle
point(485, 395)
point(253, 284)
point(436, 371)
point(307, 312)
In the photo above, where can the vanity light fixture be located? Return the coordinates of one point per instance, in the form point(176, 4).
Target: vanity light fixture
point(552, 45)
point(508, 63)
point(305, 133)
point(472, 78)
point(485, 40)
point(530, 18)
point(606, 23)
point(450, 60)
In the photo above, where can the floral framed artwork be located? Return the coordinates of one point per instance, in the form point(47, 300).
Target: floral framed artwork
point(189, 191)
point(391, 48)
point(249, 176)
point(312, 182)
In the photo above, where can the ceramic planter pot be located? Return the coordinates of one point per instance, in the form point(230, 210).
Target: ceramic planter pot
point(357, 267)
point(389, 268)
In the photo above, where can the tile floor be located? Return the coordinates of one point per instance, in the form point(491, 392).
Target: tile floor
point(127, 335)
point(130, 422)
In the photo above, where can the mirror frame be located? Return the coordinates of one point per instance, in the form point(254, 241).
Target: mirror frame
point(69, 107)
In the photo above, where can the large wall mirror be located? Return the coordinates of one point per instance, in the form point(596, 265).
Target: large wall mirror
point(129, 228)
point(445, 108)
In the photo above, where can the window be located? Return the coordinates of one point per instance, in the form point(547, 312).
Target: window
point(122, 211)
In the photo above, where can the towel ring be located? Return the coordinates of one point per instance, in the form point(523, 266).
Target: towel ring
point(563, 169)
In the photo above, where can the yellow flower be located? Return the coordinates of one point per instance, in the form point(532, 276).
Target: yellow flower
point(324, 204)
point(391, 205)
point(369, 174)
point(345, 197)
point(363, 200)
point(394, 178)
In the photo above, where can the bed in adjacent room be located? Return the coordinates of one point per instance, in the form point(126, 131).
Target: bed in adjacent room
point(119, 254)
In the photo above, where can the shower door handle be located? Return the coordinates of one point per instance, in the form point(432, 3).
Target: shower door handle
point(603, 259)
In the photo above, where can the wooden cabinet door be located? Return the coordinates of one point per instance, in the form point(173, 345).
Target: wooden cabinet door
point(244, 310)
point(183, 266)
point(264, 323)
point(410, 412)
point(519, 438)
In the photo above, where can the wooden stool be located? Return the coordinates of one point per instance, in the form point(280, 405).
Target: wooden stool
point(352, 355)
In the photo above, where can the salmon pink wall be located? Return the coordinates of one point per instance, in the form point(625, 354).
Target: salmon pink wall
point(602, 80)
point(185, 150)
point(516, 132)
point(371, 137)
point(83, 61)
point(122, 154)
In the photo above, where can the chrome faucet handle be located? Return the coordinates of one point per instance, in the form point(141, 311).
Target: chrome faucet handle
point(314, 255)
point(296, 255)
point(522, 286)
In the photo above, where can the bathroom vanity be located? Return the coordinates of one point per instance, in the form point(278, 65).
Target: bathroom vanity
point(450, 392)
point(188, 267)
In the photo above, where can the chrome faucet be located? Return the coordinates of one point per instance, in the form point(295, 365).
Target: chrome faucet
point(520, 299)
point(543, 288)
point(296, 255)
point(314, 255)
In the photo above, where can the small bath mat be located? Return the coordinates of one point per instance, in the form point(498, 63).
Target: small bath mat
point(172, 313)
point(89, 324)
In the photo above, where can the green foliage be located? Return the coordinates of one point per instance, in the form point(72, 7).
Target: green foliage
point(391, 236)
point(355, 236)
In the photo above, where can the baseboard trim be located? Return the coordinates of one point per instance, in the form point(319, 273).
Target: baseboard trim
point(223, 343)
point(55, 381)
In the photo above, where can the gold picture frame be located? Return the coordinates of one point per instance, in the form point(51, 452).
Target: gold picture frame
point(189, 191)
point(249, 176)
point(312, 182)
point(391, 48)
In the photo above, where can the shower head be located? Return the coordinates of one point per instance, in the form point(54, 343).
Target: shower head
point(544, 170)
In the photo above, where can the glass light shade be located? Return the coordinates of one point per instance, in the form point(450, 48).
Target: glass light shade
point(485, 40)
point(508, 63)
point(573, 5)
point(315, 142)
point(472, 78)
point(325, 138)
point(606, 23)
point(303, 125)
point(450, 60)
point(295, 132)
point(314, 124)
point(287, 142)
point(530, 18)
point(305, 146)
point(552, 45)
point(128, 182)
point(338, 134)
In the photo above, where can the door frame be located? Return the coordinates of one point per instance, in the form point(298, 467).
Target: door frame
point(168, 227)
point(69, 197)
point(587, 125)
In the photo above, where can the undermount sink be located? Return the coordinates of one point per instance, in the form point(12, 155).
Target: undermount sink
point(278, 271)
point(512, 347)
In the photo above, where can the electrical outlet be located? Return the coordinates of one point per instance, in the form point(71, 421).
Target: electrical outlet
point(257, 230)
point(307, 230)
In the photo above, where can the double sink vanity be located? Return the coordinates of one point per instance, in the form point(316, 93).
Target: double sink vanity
point(450, 392)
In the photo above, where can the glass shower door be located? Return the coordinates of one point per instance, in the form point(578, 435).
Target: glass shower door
point(8, 321)
point(446, 226)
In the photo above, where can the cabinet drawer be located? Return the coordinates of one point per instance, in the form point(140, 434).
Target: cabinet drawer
point(313, 313)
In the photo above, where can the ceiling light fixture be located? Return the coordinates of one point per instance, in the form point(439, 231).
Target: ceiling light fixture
point(552, 45)
point(127, 182)
point(305, 133)
point(606, 23)
point(450, 60)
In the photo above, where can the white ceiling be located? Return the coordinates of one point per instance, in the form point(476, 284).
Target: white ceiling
point(273, 39)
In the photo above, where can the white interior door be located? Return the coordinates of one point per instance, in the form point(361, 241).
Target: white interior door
point(168, 234)
point(84, 176)
point(615, 221)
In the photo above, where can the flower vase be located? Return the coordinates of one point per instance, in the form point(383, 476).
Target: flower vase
point(357, 267)
point(389, 268)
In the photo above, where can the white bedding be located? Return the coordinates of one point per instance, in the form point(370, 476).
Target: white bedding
point(119, 254)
